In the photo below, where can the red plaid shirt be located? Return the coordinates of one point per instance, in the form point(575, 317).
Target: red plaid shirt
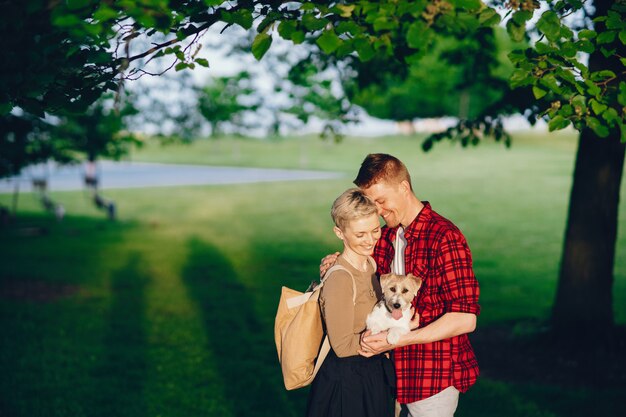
point(438, 253)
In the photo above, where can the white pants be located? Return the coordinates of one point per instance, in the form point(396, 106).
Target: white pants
point(442, 404)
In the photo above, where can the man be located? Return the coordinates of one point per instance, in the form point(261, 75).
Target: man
point(435, 361)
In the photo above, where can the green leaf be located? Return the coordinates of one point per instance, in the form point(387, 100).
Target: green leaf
point(597, 107)
point(364, 49)
point(243, 18)
point(614, 20)
point(345, 48)
point(550, 82)
point(346, 10)
point(67, 20)
point(328, 41)
point(569, 49)
point(489, 17)
point(585, 46)
point(520, 78)
point(297, 37)
point(598, 127)
point(566, 74)
point(261, 44)
point(566, 32)
point(521, 17)
point(77, 4)
point(607, 52)
point(587, 34)
point(515, 30)
point(558, 123)
point(312, 23)
point(269, 19)
point(606, 37)
point(550, 25)
point(104, 13)
point(592, 88)
point(622, 36)
point(602, 75)
point(611, 116)
point(621, 97)
point(538, 92)
point(580, 102)
point(286, 28)
point(543, 48)
point(517, 55)
point(416, 35)
point(349, 27)
point(469, 4)
point(181, 66)
point(202, 61)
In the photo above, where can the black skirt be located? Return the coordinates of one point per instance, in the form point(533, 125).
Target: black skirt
point(353, 387)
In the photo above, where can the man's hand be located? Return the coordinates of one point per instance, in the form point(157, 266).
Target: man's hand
point(327, 262)
point(374, 344)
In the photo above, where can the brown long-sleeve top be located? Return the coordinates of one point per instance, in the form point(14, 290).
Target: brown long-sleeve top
point(344, 320)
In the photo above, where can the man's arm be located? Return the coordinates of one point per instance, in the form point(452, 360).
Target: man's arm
point(446, 326)
point(327, 262)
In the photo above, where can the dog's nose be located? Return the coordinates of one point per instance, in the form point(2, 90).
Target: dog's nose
point(397, 305)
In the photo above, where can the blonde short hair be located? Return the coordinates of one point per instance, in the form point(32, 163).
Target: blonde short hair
point(350, 205)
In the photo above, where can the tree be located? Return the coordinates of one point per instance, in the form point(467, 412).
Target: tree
point(456, 77)
point(226, 100)
point(91, 46)
point(99, 131)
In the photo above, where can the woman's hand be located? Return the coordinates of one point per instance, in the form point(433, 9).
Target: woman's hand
point(374, 344)
point(327, 262)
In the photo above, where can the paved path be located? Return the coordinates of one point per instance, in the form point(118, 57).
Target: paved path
point(140, 175)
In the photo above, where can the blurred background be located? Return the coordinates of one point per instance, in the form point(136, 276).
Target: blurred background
point(144, 238)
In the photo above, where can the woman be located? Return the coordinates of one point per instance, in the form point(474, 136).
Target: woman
point(349, 385)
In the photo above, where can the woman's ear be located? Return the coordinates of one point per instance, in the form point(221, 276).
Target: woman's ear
point(338, 232)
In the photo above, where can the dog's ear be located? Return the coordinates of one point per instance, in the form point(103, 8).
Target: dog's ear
point(417, 281)
point(384, 279)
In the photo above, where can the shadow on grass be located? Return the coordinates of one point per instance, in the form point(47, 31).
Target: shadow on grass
point(244, 358)
point(525, 371)
point(119, 378)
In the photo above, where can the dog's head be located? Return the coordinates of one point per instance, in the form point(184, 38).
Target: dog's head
point(399, 291)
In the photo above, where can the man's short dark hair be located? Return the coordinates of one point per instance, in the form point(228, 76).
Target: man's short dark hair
point(378, 167)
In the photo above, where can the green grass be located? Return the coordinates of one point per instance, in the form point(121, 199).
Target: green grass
point(173, 305)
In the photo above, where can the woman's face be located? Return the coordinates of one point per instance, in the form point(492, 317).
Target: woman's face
point(360, 235)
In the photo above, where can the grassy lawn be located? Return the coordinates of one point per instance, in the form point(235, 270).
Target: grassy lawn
point(169, 310)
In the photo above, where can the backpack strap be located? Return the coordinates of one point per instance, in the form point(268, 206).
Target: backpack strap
point(334, 268)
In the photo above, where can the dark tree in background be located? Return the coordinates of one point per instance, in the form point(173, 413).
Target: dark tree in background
point(584, 294)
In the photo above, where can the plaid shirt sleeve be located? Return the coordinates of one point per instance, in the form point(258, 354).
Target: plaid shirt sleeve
point(460, 289)
point(383, 251)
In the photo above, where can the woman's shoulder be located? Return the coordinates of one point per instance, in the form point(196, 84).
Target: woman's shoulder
point(341, 275)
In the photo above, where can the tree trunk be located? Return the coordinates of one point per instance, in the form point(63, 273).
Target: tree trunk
point(584, 294)
point(584, 298)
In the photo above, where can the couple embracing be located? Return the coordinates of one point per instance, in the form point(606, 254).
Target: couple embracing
point(426, 368)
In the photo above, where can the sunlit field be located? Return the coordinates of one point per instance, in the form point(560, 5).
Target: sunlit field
point(169, 310)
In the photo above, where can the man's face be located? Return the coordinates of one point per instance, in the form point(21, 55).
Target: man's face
point(390, 200)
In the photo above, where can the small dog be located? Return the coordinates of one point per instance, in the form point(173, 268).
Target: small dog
point(393, 312)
